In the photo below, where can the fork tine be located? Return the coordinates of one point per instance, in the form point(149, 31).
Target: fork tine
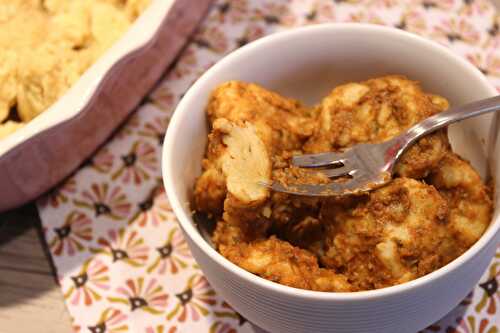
point(337, 172)
point(314, 190)
point(360, 182)
point(317, 160)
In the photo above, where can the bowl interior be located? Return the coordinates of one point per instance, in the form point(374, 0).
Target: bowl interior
point(306, 64)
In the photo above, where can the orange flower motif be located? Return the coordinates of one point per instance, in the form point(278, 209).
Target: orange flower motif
point(92, 277)
point(76, 328)
point(434, 4)
point(193, 301)
point(352, 2)
point(275, 14)
point(365, 17)
point(233, 11)
point(103, 200)
point(252, 32)
point(413, 21)
point(320, 12)
point(138, 294)
point(172, 255)
point(384, 3)
point(456, 29)
point(154, 210)
point(476, 7)
point(161, 329)
point(59, 195)
point(211, 38)
point(131, 125)
point(487, 61)
point(102, 161)
point(432, 328)
point(493, 37)
point(491, 295)
point(123, 246)
point(69, 237)
point(163, 98)
point(467, 300)
point(229, 312)
point(222, 327)
point(184, 66)
point(155, 129)
point(472, 324)
point(137, 164)
point(111, 321)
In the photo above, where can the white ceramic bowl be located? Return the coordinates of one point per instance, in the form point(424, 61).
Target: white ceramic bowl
point(306, 63)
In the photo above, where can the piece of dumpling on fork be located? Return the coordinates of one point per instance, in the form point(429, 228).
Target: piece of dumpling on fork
point(246, 115)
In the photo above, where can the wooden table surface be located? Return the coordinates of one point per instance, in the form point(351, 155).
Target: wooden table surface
point(30, 300)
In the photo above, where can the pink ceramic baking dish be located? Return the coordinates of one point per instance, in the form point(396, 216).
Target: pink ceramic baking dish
point(48, 148)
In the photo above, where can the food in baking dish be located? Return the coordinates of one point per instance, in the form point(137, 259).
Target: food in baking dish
point(433, 210)
point(48, 44)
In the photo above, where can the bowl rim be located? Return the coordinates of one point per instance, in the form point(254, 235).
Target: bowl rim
point(141, 32)
point(168, 158)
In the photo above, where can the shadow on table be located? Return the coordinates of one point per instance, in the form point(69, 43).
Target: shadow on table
point(16, 222)
point(26, 269)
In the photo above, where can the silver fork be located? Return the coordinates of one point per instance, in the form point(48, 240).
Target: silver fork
point(370, 165)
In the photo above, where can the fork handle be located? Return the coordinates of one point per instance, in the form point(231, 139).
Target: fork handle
point(453, 115)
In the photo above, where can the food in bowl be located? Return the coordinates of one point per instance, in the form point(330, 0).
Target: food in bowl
point(433, 210)
point(47, 45)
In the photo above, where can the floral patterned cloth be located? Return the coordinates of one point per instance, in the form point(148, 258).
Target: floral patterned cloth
point(121, 259)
